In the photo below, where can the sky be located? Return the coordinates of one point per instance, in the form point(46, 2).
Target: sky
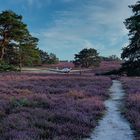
point(65, 27)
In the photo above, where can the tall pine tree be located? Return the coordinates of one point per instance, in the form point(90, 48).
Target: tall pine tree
point(17, 46)
point(131, 53)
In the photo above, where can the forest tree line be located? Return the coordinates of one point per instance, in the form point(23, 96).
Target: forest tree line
point(17, 46)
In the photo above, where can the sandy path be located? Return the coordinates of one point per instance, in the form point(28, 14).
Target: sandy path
point(113, 126)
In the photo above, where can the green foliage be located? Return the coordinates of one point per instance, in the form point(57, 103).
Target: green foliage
point(11, 55)
point(131, 68)
point(113, 58)
point(12, 29)
point(53, 59)
point(48, 58)
point(112, 72)
point(20, 102)
point(7, 67)
point(44, 57)
point(87, 58)
point(110, 58)
point(131, 53)
point(29, 56)
point(17, 46)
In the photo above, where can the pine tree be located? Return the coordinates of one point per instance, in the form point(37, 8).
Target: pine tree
point(16, 43)
point(131, 53)
point(87, 58)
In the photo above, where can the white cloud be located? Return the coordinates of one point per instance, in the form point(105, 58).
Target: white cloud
point(33, 3)
point(30, 2)
point(90, 24)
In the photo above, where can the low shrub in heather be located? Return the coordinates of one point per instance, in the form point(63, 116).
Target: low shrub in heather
point(132, 102)
point(50, 107)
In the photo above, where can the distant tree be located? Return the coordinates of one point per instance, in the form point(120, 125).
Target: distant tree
point(113, 58)
point(131, 53)
point(103, 58)
point(44, 57)
point(110, 58)
point(48, 58)
point(16, 43)
point(53, 59)
point(87, 58)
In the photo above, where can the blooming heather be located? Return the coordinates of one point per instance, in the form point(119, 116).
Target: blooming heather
point(132, 102)
point(50, 107)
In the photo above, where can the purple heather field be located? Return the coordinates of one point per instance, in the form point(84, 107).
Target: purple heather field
point(132, 102)
point(50, 107)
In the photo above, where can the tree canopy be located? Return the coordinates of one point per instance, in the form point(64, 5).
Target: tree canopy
point(110, 58)
point(17, 46)
point(87, 58)
point(131, 53)
point(48, 58)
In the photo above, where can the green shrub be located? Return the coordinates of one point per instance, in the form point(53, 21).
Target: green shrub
point(20, 102)
point(133, 72)
point(7, 67)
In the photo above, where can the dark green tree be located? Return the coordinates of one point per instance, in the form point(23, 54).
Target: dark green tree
point(131, 53)
point(11, 55)
point(48, 58)
point(12, 29)
point(44, 57)
point(113, 58)
point(87, 58)
point(28, 52)
point(16, 43)
point(53, 59)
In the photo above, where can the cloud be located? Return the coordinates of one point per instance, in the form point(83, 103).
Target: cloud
point(97, 24)
point(33, 3)
point(30, 2)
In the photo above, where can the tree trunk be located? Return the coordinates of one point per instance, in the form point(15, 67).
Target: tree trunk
point(20, 58)
point(3, 47)
point(20, 62)
point(2, 53)
point(20, 66)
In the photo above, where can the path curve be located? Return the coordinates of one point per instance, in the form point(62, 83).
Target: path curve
point(113, 126)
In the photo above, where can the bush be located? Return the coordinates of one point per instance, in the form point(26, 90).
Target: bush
point(7, 67)
point(112, 72)
point(134, 72)
point(20, 102)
